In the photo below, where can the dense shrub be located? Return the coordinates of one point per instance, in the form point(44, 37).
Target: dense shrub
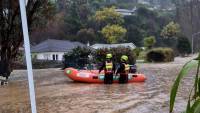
point(137, 51)
point(160, 55)
point(100, 54)
point(44, 64)
point(184, 46)
point(142, 55)
point(77, 58)
point(38, 64)
point(149, 42)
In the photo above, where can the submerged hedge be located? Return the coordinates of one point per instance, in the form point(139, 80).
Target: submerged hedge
point(160, 55)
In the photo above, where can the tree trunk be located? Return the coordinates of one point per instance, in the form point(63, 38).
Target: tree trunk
point(11, 37)
point(5, 69)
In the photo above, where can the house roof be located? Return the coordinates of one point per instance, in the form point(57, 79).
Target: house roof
point(52, 45)
point(126, 12)
point(101, 46)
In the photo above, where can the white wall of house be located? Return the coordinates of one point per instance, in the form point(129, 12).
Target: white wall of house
point(50, 56)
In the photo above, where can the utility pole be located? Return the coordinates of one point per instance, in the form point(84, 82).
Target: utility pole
point(28, 54)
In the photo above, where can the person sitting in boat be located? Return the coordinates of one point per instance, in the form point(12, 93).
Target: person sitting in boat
point(109, 69)
point(123, 70)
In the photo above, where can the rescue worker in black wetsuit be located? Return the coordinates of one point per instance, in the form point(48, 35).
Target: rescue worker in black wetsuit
point(109, 69)
point(123, 70)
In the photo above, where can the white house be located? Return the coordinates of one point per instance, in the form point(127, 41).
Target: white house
point(108, 46)
point(126, 12)
point(53, 49)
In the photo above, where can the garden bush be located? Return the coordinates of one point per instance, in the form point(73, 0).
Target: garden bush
point(77, 58)
point(160, 55)
point(183, 46)
point(100, 54)
point(142, 55)
point(44, 64)
point(137, 51)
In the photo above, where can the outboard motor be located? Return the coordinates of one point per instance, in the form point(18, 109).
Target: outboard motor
point(133, 68)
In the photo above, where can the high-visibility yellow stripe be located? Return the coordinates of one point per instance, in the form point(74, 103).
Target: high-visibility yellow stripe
point(109, 66)
point(127, 67)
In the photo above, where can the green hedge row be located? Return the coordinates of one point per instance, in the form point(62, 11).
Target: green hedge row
point(79, 57)
point(100, 54)
point(160, 55)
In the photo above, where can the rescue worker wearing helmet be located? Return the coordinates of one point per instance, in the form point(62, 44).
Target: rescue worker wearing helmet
point(123, 70)
point(109, 69)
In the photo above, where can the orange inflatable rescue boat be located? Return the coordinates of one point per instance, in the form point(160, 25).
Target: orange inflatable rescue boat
point(92, 76)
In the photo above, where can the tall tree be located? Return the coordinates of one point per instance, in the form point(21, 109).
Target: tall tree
point(11, 37)
point(188, 16)
point(170, 30)
point(149, 42)
point(108, 16)
point(134, 34)
point(109, 22)
point(145, 23)
point(76, 16)
point(86, 35)
point(113, 33)
point(170, 33)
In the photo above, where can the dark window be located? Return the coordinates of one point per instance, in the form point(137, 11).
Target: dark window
point(54, 58)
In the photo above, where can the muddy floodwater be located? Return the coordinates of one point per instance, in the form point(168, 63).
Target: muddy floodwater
point(55, 93)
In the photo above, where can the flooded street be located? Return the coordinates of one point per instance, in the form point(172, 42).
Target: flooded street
point(55, 93)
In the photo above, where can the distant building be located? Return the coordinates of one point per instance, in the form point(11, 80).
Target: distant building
point(108, 46)
point(53, 49)
point(158, 4)
point(126, 12)
point(147, 2)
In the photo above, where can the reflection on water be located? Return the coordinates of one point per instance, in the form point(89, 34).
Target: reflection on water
point(55, 93)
